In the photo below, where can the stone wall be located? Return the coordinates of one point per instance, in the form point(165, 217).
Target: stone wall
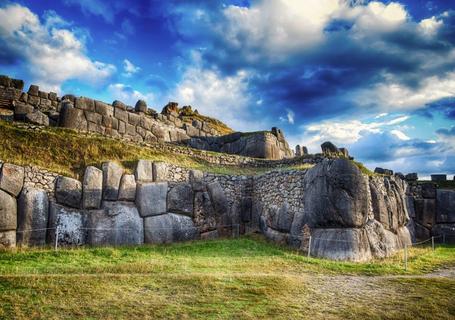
point(432, 211)
point(264, 144)
point(138, 124)
point(349, 216)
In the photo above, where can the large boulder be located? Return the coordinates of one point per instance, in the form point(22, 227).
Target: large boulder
point(8, 212)
point(11, 179)
point(141, 106)
point(160, 170)
point(169, 227)
point(112, 174)
point(425, 212)
point(196, 178)
point(144, 171)
point(336, 195)
point(37, 117)
point(127, 191)
point(180, 199)
point(71, 117)
point(388, 202)
point(218, 198)
point(445, 206)
point(32, 217)
point(92, 188)
point(68, 192)
point(118, 224)
point(69, 224)
point(151, 198)
point(341, 244)
point(329, 148)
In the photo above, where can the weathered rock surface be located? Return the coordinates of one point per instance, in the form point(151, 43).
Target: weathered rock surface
point(32, 216)
point(144, 171)
point(217, 197)
point(127, 191)
point(151, 198)
point(37, 117)
point(180, 199)
point(70, 223)
point(112, 174)
point(445, 206)
point(425, 211)
point(336, 195)
point(8, 212)
point(68, 192)
point(7, 239)
point(169, 227)
point(118, 224)
point(341, 244)
point(92, 188)
point(141, 106)
point(11, 179)
point(159, 171)
point(389, 205)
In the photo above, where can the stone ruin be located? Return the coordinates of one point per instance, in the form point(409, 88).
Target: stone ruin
point(349, 215)
point(138, 124)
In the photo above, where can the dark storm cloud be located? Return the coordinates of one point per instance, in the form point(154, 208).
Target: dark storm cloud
point(446, 107)
point(323, 79)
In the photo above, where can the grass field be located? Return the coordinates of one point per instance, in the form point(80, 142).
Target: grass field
point(245, 278)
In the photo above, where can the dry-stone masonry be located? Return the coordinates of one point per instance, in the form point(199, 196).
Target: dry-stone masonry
point(138, 124)
point(349, 216)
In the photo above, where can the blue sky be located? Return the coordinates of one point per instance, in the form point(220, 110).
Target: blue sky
point(375, 76)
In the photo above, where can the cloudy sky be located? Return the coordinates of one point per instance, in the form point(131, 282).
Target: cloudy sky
point(375, 76)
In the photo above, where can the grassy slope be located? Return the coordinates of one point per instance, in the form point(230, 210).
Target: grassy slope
point(244, 278)
point(68, 152)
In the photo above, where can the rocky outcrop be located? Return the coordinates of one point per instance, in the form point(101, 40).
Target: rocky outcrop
point(264, 144)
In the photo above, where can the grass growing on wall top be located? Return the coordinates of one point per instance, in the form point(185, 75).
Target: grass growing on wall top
point(68, 152)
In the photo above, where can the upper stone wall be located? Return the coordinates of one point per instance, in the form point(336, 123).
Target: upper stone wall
point(264, 144)
point(139, 124)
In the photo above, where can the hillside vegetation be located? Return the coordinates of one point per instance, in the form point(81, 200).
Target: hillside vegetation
point(68, 152)
point(245, 278)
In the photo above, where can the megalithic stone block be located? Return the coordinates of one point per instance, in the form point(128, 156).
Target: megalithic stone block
point(151, 198)
point(11, 179)
point(144, 171)
point(33, 212)
point(92, 188)
point(68, 192)
point(112, 174)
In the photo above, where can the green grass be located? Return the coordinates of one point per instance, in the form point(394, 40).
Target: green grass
point(245, 278)
point(68, 152)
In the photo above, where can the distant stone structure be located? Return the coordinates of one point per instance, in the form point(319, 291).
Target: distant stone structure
point(138, 124)
point(438, 177)
point(300, 151)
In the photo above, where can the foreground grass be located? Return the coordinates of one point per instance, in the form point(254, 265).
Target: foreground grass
point(245, 278)
point(68, 152)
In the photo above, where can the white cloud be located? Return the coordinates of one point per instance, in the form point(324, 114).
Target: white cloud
point(400, 135)
point(290, 115)
point(430, 26)
point(396, 96)
point(51, 54)
point(128, 95)
point(344, 133)
point(129, 68)
point(224, 98)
